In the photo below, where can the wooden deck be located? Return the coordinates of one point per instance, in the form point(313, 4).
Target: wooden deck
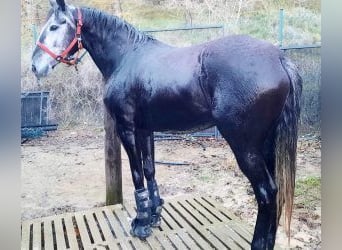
point(187, 223)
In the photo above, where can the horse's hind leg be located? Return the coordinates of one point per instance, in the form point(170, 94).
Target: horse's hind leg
point(146, 142)
point(247, 147)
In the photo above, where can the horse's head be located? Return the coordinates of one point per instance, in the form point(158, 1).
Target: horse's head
point(55, 42)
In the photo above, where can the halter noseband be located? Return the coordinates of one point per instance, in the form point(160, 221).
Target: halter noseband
point(63, 56)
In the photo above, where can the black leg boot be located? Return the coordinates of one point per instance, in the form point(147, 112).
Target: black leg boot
point(141, 223)
point(157, 203)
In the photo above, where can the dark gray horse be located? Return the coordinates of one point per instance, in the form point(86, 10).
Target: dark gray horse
point(244, 86)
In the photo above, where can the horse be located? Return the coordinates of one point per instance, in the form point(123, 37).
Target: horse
point(244, 86)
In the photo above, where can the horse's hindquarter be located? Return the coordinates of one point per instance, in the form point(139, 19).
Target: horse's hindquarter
point(247, 79)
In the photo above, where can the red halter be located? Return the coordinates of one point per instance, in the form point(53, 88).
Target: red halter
point(63, 57)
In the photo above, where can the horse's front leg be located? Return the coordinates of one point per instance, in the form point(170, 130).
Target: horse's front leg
point(146, 142)
point(141, 223)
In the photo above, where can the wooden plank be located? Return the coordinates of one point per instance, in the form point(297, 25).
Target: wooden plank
point(217, 209)
point(170, 221)
point(239, 224)
point(235, 236)
point(189, 217)
point(212, 210)
point(25, 235)
point(138, 244)
point(60, 240)
point(83, 230)
point(204, 244)
point(104, 227)
point(118, 231)
point(153, 242)
point(205, 213)
point(162, 239)
point(37, 236)
point(48, 237)
point(190, 243)
point(164, 225)
point(247, 235)
point(70, 232)
point(224, 236)
point(176, 240)
point(110, 239)
point(199, 228)
point(221, 208)
point(93, 227)
point(194, 212)
point(235, 222)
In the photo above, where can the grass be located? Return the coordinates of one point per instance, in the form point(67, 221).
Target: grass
point(205, 178)
point(145, 16)
point(308, 192)
point(261, 25)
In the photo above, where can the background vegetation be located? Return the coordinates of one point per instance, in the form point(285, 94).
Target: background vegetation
point(76, 97)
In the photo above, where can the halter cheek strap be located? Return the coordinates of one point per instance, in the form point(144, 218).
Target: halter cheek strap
point(63, 56)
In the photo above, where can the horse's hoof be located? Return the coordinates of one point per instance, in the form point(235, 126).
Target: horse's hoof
point(141, 231)
point(156, 211)
point(155, 221)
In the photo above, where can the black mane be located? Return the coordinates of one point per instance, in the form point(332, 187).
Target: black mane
point(113, 24)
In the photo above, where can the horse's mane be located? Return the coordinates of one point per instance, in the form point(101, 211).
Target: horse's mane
point(113, 23)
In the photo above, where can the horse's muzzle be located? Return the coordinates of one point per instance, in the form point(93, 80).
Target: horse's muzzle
point(40, 72)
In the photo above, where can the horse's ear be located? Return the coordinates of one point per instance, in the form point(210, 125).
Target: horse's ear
point(61, 3)
point(58, 3)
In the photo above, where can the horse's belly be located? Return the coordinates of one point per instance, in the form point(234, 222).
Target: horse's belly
point(179, 115)
point(179, 124)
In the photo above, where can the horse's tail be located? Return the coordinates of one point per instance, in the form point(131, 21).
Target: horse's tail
point(286, 145)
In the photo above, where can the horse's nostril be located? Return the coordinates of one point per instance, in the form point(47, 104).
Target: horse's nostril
point(34, 68)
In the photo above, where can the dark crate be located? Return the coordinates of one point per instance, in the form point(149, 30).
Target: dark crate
point(34, 109)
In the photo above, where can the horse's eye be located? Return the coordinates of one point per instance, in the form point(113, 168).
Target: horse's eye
point(53, 27)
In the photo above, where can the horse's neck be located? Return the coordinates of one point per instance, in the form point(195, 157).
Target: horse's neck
point(106, 44)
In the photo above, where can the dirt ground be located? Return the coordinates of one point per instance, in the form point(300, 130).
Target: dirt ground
point(64, 172)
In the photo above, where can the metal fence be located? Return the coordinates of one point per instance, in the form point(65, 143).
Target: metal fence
point(308, 60)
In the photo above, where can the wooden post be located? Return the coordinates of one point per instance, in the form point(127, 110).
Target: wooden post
point(112, 162)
